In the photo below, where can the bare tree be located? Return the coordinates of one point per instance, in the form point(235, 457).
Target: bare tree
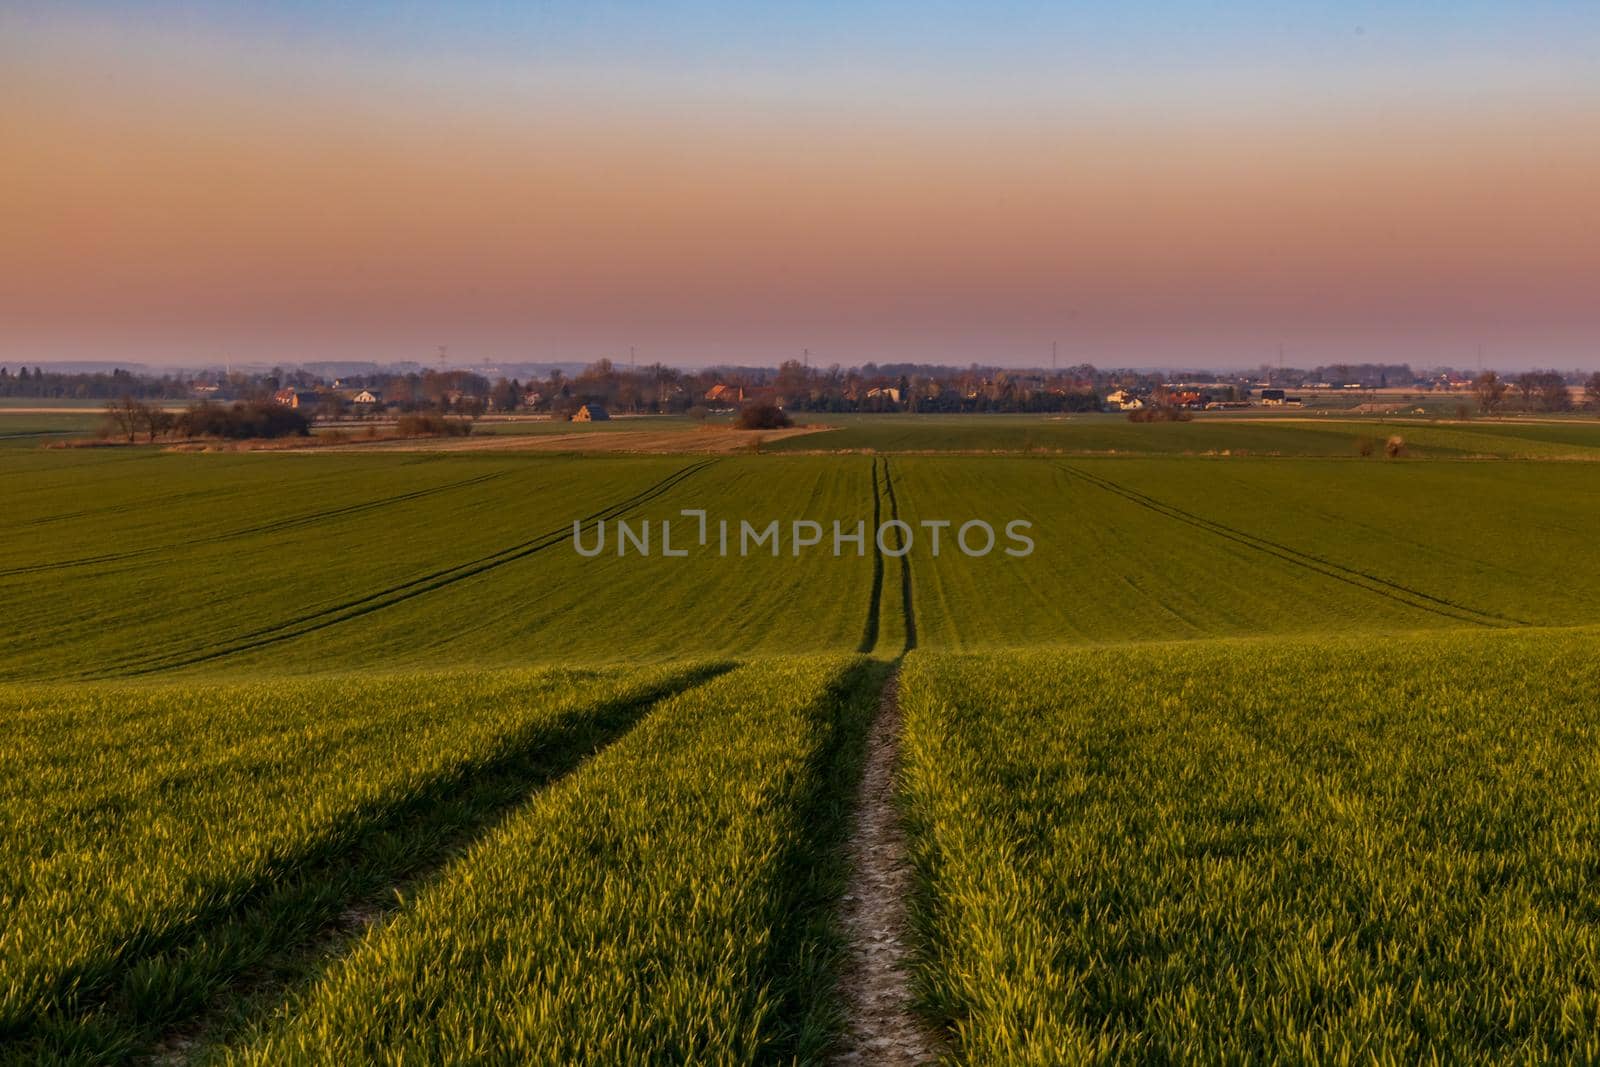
point(1490, 391)
point(1528, 384)
point(1553, 392)
point(153, 419)
point(123, 416)
point(1591, 390)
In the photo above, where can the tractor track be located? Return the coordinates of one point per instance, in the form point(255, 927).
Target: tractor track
point(1371, 583)
point(276, 526)
point(399, 593)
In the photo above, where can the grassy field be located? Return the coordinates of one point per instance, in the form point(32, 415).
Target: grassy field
point(28, 430)
point(1270, 851)
point(132, 562)
point(1274, 754)
point(1302, 434)
point(162, 840)
point(694, 930)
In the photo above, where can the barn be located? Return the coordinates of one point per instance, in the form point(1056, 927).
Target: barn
point(591, 413)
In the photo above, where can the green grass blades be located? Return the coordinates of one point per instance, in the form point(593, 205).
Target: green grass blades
point(260, 565)
point(161, 841)
point(1260, 851)
point(671, 902)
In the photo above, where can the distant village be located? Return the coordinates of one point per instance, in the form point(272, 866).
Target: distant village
point(605, 388)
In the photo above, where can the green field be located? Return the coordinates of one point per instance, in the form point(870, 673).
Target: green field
point(28, 430)
point(1267, 751)
point(1234, 434)
point(1272, 851)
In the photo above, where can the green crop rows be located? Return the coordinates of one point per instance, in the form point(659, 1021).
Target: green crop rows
point(664, 904)
point(1268, 752)
point(1269, 851)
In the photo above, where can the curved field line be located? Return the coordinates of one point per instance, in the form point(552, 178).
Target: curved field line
point(905, 566)
point(1360, 579)
point(869, 632)
point(387, 597)
point(267, 527)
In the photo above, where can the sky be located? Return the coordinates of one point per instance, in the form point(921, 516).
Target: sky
point(1183, 183)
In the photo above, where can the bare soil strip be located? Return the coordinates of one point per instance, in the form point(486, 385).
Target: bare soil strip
point(883, 1028)
point(652, 441)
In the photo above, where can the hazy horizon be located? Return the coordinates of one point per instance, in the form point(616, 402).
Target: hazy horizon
point(1182, 185)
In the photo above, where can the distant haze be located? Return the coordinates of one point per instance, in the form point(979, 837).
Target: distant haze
point(1188, 184)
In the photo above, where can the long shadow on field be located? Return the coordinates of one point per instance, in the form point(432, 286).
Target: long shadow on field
point(869, 632)
point(276, 929)
point(806, 953)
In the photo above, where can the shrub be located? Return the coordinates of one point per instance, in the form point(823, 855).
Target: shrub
point(1161, 413)
point(240, 421)
point(763, 417)
point(424, 425)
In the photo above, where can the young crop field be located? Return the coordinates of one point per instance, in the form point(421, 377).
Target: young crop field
point(1266, 851)
point(1263, 751)
point(132, 563)
point(1329, 435)
point(159, 840)
point(27, 429)
point(669, 902)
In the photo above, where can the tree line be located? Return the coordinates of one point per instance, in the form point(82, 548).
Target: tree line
point(1536, 390)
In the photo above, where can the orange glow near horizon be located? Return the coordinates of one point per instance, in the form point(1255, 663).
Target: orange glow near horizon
point(260, 228)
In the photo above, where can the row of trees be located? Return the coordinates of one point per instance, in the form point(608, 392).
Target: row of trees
point(130, 417)
point(1538, 390)
point(40, 384)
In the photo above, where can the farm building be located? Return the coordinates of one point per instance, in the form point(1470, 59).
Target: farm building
point(295, 398)
point(590, 413)
point(366, 396)
point(1272, 397)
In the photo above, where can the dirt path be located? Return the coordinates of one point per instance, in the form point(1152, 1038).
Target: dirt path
point(883, 1028)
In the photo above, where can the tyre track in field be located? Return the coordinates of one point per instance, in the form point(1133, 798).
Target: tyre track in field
point(401, 592)
point(1371, 583)
point(869, 632)
point(111, 509)
point(276, 526)
point(882, 1025)
point(906, 606)
point(883, 493)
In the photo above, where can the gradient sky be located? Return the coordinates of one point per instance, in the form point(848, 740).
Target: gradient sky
point(1182, 184)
